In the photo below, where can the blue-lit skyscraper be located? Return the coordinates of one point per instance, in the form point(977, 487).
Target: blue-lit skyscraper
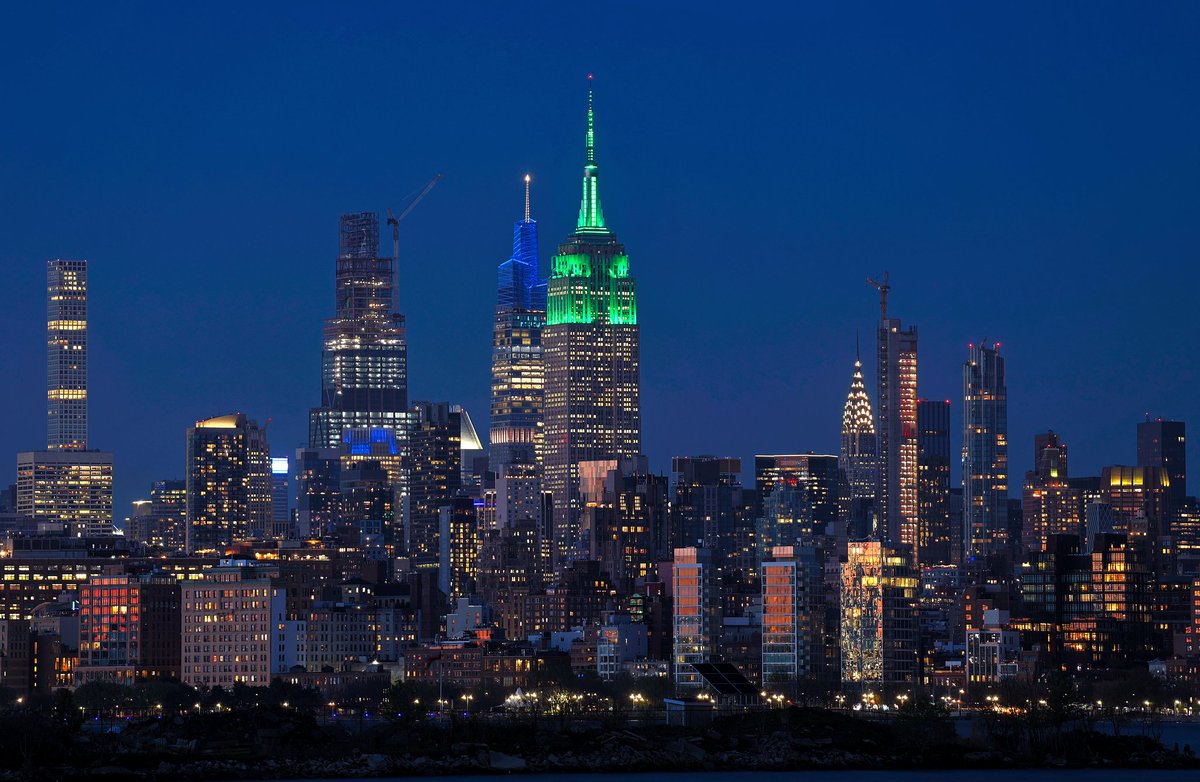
point(517, 372)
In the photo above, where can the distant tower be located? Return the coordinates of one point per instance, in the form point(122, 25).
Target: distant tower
point(896, 496)
point(229, 497)
point(66, 355)
point(517, 372)
point(1049, 505)
point(1162, 444)
point(66, 483)
point(364, 369)
point(985, 452)
point(935, 538)
point(591, 347)
point(859, 457)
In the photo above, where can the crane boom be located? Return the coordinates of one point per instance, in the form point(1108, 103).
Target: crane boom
point(394, 222)
point(883, 288)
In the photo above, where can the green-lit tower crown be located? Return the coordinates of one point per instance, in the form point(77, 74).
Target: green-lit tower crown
point(591, 350)
point(599, 288)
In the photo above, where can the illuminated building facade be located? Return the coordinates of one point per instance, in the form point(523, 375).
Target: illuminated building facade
point(896, 428)
point(985, 453)
point(458, 540)
point(1140, 498)
point(364, 369)
point(935, 538)
point(228, 626)
point(66, 355)
point(625, 519)
point(66, 484)
point(591, 347)
point(435, 475)
point(793, 612)
point(129, 628)
point(26, 584)
point(517, 372)
point(1049, 505)
point(228, 483)
point(168, 513)
point(815, 475)
point(73, 488)
point(281, 501)
point(878, 617)
point(858, 457)
point(697, 613)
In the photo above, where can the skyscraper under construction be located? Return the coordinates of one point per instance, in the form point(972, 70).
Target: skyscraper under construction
point(591, 348)
point(364, 367)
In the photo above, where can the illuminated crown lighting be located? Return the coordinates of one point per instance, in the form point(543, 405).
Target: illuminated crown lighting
point(856, 417)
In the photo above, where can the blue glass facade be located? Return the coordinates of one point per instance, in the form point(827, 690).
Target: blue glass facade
point(517, 373)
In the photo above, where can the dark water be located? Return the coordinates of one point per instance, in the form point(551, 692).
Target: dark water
point(1023, 775)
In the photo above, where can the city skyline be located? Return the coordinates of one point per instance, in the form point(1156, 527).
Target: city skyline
point(148, 358)
point(684, 541)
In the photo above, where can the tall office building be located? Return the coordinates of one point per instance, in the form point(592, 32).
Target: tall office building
point(859, 456)
point(935, 540)
point(228, 483)
point(281, 501)
point(793, 614)
point(1049, 505)
point(318, 475)
point(878, 617)
point(985, 452)
point(517, 372)
point(591, 348)
point(168, 507)
point(66, 484)
point(1139, 497)
point(364, 367)
point(1162, 444)
point(435, 475)
point(66, 355)
point(896, 495)
point(696, 613)
point(624, 522)
point(68, 488)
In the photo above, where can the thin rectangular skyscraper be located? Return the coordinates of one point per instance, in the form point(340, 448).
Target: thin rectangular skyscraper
point(896, 497)
point(985, 452)
point(66, 355)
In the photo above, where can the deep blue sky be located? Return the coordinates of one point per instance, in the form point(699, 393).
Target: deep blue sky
point(1028, 173)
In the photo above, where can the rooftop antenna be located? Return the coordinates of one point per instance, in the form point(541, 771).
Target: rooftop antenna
point(527, 181)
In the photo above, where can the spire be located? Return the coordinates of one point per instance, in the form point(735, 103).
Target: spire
point(527, 179)
point(856, 415)
point(591, 217)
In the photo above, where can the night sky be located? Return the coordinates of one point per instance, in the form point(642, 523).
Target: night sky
point(1027, 173)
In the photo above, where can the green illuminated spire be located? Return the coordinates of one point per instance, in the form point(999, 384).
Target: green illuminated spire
point(591, 216)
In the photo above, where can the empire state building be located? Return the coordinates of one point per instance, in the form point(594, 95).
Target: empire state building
point(591, 348)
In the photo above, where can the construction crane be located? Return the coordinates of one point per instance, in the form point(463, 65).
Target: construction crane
point(883, 288)
point(394, 222)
